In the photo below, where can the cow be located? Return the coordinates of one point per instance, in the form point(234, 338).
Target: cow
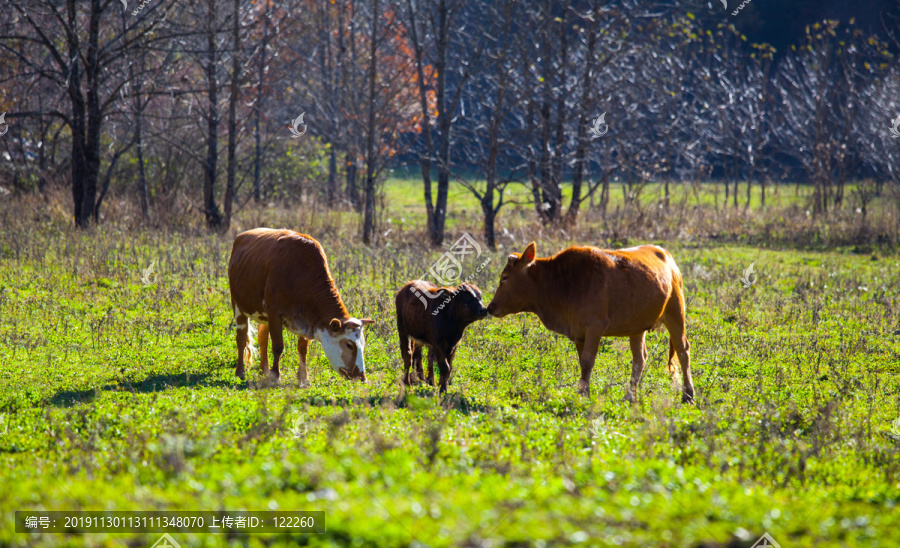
point(587, 293)
point(435, 317)
point(280, 279)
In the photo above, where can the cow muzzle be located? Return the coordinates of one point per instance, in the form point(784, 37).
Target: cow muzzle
point(352, 373)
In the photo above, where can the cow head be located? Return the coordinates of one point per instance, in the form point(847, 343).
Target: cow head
point(516, 290)
point(344, 343)
point(468, 304)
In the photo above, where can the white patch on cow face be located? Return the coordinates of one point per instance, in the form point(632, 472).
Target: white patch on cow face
point(345, 348)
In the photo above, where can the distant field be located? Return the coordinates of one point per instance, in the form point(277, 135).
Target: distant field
point(114, 395)
point(403, 191)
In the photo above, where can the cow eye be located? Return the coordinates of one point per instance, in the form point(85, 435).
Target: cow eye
point(349, 345)
point(503, 278)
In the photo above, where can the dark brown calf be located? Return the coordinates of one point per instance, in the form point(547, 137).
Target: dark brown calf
point(435, 317)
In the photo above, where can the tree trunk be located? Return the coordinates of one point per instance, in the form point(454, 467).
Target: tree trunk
point(210, 209)
point(352, 180)
point(332, 175)
point(487, 208)
point(736, 172)
point(436, 232)
point(762, 190)
point(545, 207)
point(426, 121)
point(587, 91)
point(139, 141)
point(86, 119)
point(559, 139)
point(232, 114)
point(487, 201)
point(79, 159)
point(750, 187)
point(326, 74)
point(726, 180)
point(369, 219)
point(94, 118)
point(257, 164)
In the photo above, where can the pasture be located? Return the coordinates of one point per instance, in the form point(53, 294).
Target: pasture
point(119, 394)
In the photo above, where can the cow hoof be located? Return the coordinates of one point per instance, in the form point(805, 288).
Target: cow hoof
point(303, 383)
point(584, 389)
point(687, 398)
point(240, 374)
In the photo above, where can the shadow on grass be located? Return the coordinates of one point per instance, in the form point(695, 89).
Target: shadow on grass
point(422, 398)
point(153, 383)
point(416, 398)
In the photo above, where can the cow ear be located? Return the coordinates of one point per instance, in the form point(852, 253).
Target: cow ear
point(528, 254)
point(513, 257)
point(367, 321)
point(335, 326)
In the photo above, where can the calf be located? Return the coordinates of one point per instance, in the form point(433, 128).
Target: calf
point(586, 293)
point(280, 279)
point(437, 322)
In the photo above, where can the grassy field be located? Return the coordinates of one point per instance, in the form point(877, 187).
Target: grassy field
point(119, 396)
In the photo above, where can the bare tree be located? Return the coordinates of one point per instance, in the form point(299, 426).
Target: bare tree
point(816, 79)
point(454, 58)
point(492, 129)
point(86, 66)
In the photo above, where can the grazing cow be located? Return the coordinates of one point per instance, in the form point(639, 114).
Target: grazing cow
point(586, 293)
point(437, 322)
point(280, 279)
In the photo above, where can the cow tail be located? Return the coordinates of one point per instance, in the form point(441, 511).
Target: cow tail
point(670, 365)
point(250, 351)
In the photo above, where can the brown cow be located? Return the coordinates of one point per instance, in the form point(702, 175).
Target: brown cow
point(280, 279)
point(586, 293)
point(437, 322)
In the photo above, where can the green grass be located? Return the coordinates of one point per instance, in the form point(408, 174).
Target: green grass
point(120, 396)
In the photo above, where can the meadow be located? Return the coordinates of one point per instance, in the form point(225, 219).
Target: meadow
point(116, 394)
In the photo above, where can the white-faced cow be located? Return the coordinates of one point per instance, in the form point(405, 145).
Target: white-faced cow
point(280, 279)
point(586, 293)
point(435, 317)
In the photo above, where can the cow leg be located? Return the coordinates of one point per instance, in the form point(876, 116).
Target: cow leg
point(430, 379)
point(302, 372)
point(682, 346)
point(678, 344)
point(450, 362)
point(277, 344)
point(406, 354)
point(443, 367)
point(417, 362)
point(638, 361)
point(243, 326)
point(673, 319)
point(587, 353)
point(670, 365)
point(262, 338)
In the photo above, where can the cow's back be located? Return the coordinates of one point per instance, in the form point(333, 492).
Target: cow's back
point(414, 316)
point(629, 287)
